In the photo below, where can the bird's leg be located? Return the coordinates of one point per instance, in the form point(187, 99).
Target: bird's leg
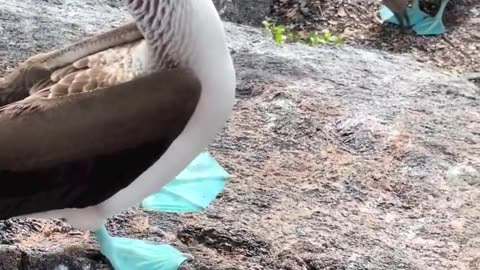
point(415, 14)
point(388, 15)
point(400, 19)
point(394, 11)
point(406, 22)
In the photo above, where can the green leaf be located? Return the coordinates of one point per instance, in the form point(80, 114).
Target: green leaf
point(282, 34)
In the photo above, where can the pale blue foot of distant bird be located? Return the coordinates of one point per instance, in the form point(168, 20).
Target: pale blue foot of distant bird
point(432, 25)
point(387, 15)
point(414, 13)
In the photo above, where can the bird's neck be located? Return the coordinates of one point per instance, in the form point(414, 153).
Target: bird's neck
point(164, 27)
point(185, 33)
point(189, 33)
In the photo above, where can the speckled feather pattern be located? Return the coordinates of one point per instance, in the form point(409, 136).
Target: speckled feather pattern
point(159, 30)
point(165, 45)
point(103, 69)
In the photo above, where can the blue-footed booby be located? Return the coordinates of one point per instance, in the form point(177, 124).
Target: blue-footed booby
point(98, 126)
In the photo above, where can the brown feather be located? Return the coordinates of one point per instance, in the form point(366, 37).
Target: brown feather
point(102, 69)
point(36, 72)
point(60, 154)
point(70, 115)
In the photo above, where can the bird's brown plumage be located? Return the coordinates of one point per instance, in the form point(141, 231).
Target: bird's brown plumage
point(99, 70)
point(35, 73)
point(75, 130)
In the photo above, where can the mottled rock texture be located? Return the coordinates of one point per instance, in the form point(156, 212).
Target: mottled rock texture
point(341, 159)
point(250, 12)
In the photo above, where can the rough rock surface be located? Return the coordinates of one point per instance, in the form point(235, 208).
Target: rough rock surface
point(341, 158)
point(250, 12)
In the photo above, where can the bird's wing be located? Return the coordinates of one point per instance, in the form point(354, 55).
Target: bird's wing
point(96, 71)
point(69, 146)
point(17, 84)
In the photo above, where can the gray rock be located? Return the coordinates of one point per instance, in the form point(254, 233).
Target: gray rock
point(251, 12)
point(342, 158)
point(10, 258)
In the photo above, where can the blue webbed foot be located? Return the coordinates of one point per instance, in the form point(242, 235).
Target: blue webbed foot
point(192, 190)
point(133, 254)
point(387, 15)
point(415, 14)
point(432, 25)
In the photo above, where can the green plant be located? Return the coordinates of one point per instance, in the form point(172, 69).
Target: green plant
point(325, 37)
point(279, 32)
point(282, 34)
